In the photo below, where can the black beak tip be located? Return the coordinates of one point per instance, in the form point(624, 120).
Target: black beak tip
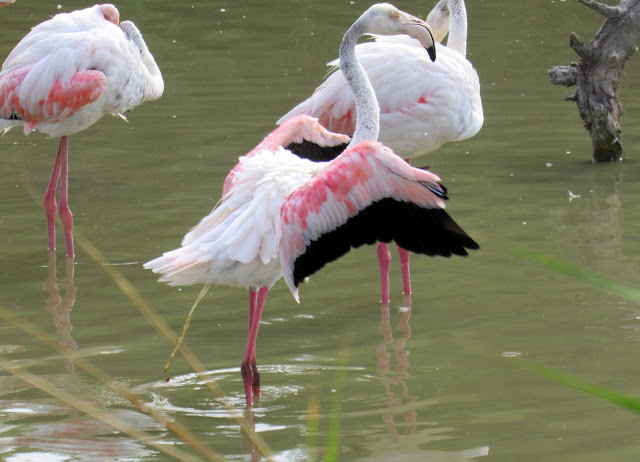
point(432, 52)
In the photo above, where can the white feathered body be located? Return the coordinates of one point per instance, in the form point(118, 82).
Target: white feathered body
point(84, 41)
point(423, 104)
point(237, 244)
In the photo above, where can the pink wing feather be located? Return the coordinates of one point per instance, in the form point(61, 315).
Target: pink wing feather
point(295, 130)
point(363, 175)
point(63, 98)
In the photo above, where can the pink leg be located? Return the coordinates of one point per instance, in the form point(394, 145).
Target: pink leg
point(262, 298)
point(49, 200)
point(406, 272)
point(253, 294)
point(384, 258)
point(245, 369)
point(404, 263)
point(65, 214)
point(249, 370)
point(253, 303)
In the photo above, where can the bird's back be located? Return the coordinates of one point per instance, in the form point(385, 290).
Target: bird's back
point(423, 104)
point(82, 45)
point(238, 242)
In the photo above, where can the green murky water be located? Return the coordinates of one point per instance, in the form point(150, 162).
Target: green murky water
point(436, 382)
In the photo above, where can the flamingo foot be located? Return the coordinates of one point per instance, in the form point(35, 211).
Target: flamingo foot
point(255, 385)
point(384, 258)
point(247, 379)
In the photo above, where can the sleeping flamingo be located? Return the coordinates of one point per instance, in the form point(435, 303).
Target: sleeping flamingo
point(64, 76)
point(423, 104)
point(280, 211)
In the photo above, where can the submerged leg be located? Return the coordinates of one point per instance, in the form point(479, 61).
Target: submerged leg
point(253, 304)
point(249, 370)
point(65, 214)
point(49, 200)
point(262, 298)
point(384, 258)
point(245, 369)
point(406, 272)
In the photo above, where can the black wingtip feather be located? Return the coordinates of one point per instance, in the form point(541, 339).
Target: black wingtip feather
point(315, 152)
point(425, 231)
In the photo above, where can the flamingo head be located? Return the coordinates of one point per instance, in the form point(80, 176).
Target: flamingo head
point(110, 13)
point(439, 19)
point(386, 19)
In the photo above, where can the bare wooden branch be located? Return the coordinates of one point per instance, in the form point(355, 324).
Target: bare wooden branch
point(582, 48)
point(563, 75)
point(597, 76)
point(611, 12)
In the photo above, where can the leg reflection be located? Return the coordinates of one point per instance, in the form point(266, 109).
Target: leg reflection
point(394, 380)
point(248, 446)
point(60, 306)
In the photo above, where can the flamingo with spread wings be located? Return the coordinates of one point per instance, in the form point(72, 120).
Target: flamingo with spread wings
point(282, 213)
point(423, 103)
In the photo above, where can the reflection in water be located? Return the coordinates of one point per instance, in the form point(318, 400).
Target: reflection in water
point(412, 444)
point(248, 446)
point(64, 434)
point(397, 379)
point(60, 307)
point(593, 220)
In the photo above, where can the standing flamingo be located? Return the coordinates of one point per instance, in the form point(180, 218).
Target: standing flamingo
point(280, 211)
point(424, 104)
point(64, 76)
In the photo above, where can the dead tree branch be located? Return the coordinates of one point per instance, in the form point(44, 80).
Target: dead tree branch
point(597, 76)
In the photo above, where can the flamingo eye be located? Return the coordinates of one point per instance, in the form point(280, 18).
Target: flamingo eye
point(395, 15)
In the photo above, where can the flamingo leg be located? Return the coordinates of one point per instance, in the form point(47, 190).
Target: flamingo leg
point(384, 258)
point(253, 294)
point(248, 369)
point(406, 272)
point(49, 200)
point(65, 214)
point(61, 166)
point(253, 300)
point(404, 263)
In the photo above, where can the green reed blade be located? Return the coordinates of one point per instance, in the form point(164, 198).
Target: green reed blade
point(585, 275)
point(590, 388)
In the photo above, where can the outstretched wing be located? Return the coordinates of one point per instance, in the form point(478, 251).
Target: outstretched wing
point(300, 131)
point(367, 194)
point(303, 136)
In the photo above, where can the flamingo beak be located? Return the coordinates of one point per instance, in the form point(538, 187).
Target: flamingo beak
point(420, 30)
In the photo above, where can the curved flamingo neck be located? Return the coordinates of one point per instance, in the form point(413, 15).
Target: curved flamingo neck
point(154, 87)
point(367, 109)
point(457, 27)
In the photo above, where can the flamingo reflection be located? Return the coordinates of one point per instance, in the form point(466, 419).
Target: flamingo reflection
point(60, 306)
point(248, 446)
point(391, 381)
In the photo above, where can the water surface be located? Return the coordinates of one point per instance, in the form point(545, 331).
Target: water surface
point(430, 378)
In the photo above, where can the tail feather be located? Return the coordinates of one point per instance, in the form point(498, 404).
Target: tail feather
point(178, 268)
